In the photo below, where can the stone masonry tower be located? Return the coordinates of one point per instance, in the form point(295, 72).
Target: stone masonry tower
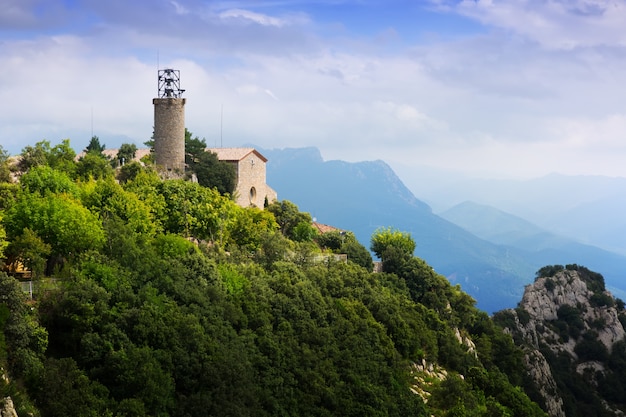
point(169, 122)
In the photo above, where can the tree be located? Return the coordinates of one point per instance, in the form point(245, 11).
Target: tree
point(59, 220)
point(93, 165)
point(249, 226)
point(129, 171)
point(60, 157)
point(109, 199)
point(209, 170)
point(33, 156)
point(388, 241)
point(94, 146)
point(3, 240)
point(43, 180)
point(126, 153)
point(358, 254)
point(5, 169)
point(193, 210)
point(31, 251)
point(193, 147)
point(288, 217)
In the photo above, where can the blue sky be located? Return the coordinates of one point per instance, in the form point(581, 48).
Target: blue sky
point(488, 88)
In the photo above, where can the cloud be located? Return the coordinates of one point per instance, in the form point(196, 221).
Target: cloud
point(555, 24)
point(247, 16)
point(273, 74)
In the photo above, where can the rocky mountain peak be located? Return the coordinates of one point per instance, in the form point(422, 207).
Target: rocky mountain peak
point(571, 329)
point(569, 305)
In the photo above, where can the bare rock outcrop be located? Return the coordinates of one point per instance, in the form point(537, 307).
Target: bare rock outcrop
point(7, 409)
point(556, 316)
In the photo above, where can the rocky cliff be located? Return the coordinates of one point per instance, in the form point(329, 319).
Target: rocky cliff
point(573, 334)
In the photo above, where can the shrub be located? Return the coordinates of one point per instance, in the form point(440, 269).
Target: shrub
point(549, 271)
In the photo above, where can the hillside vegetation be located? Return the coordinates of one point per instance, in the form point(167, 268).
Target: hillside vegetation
point(164, 298)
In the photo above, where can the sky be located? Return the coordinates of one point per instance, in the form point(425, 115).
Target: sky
point(489, 88)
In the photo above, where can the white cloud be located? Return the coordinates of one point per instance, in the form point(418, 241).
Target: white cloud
point(493, 102)
point(249, 16)
point(560, 24)
point(179, 8)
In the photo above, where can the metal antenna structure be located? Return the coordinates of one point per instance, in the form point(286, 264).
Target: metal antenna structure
point(169, 84)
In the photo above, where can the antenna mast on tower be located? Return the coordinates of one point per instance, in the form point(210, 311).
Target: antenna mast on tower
point(169, 84)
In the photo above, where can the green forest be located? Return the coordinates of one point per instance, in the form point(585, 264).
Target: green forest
point(164, 298)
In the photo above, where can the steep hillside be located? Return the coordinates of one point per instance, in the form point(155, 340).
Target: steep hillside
point(364, 196)
point(572, 331)
point(157, 297)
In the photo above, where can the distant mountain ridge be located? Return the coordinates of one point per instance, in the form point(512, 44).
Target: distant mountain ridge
point(364, 196)
point(545, 247)
point(584, 207)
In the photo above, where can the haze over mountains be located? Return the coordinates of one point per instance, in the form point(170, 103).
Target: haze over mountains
point(492, 254)
point(586, 208)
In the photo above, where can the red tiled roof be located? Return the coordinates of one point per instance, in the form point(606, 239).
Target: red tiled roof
point(324, 228)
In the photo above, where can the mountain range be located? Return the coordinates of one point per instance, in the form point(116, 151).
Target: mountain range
point(490, 253)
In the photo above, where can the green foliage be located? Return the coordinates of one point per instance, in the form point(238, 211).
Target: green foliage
point(44, 180)
point(24, 340)
point(590, 348)
point(31, 251)
point(331, 240)
point(358, 254)
point(345, 242)
point(108, 199)
point(293, 223)
point(594, 280)
point(209, 170)
point(573, 320)
point(549, 271)
point(129, 171)
point(3, 241)
point(601, 299)
point(59, 220)
point(175, 301)
point(95, 147)
point(60, 157)
point(392, 246)
point(93, 165)
point(5, 168)
point(126, 154)
point(248, 227)
point(193, 210)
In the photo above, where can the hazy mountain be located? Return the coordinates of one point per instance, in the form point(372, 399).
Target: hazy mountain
point(496, 226)
point(587, 208)
point(493, 267)
point(542, 246)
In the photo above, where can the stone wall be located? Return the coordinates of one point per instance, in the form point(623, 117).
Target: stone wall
point(169, 133)
point(251, 186)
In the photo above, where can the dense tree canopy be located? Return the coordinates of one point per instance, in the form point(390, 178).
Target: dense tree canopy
point(171, 300)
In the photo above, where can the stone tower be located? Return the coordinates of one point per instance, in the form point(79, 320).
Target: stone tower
point(169, 122)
